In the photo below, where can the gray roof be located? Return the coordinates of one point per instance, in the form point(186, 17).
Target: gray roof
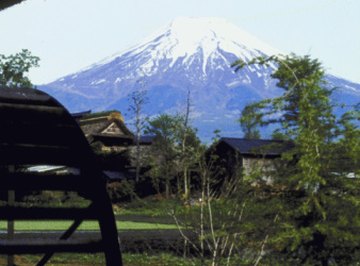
point(147, 139)
point(114, 175)
point(258, 146)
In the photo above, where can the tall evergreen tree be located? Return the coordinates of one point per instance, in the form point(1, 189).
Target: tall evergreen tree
point(249, 122)
point(319, 215)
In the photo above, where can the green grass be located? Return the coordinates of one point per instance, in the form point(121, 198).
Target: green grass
point(87, 225)
point(150, 206)
point(129, 259)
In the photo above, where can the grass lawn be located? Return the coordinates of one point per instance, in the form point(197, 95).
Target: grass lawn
point(87, 225)
point(161, 259)
point(151, 207)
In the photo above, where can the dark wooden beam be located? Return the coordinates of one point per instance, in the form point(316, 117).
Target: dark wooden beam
point(8, 3)
point(46, 181)
point(43, 213)
point(38, 246)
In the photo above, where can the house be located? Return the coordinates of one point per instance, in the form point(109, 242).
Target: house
point(106, 131)
point(113, 142)
point(249, 155)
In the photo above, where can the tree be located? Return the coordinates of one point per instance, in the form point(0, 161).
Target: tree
point(164, 150)
point(319, 210)
point(222, 220)
point(137, 101)
point(14, 67)
point(349, 143)
point(189, 143)
point(215, 218)
point(249, 122)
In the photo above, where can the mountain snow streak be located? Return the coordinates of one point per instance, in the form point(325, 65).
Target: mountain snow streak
point(190, 54)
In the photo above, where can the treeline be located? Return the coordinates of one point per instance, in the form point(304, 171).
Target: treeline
point(306, 212)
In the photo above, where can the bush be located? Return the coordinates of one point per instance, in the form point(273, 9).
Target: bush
point(121, 191)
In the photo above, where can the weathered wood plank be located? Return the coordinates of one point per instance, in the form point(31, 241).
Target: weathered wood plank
point(39, 134)
point(38, 246)
point(13, 153)
point(43, 213)
point(34, 181)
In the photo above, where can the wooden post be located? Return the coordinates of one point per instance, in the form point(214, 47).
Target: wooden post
point(10, 223)
point(106, 220)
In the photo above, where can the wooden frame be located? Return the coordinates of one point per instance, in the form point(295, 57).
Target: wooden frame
point(37, 130)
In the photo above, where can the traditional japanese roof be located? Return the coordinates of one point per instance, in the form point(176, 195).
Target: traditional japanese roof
point(80, 114)
point(104, 124)
point(257, 146)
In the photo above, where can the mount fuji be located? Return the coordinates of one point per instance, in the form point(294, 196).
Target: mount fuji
point(190, 54)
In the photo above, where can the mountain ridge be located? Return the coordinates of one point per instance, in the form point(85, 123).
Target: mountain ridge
point(176, 60)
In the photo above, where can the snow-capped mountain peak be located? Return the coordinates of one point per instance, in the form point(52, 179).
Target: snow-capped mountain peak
point(184, 37)
point(209, 33)
point(188, 54)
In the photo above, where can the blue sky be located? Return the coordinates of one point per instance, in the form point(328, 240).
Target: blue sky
point(71, 34)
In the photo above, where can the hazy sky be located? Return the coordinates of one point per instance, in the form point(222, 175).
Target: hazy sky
point(71, 34)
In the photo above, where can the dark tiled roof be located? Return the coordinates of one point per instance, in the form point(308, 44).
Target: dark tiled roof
point(114, 175)
point(80, 114)
point(146, 140)
point(258, 146)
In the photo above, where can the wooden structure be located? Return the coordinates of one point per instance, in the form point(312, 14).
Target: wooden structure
point(8, 3)
point(248, 154)
point(107, 129)
point(37, 130)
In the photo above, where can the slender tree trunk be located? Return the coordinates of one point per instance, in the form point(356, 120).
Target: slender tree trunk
point(138, 154)
point(183, 149)
point(202, 232)
point(137, 100)
point(178, 184)
point(167, 189)
point(186, 183)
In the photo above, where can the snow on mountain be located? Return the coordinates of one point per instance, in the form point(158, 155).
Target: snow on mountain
point(189, 54)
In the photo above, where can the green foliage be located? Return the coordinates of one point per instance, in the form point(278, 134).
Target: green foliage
point(304, 96)
point(163, 151)
point(129, 259)
point(249, 121)
point(174, 147)
point(121, 190)
point(53, 198)
point(349, 144)
point(151, 207)
point(14, 67)
point(318, 215)
point(165, 128)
